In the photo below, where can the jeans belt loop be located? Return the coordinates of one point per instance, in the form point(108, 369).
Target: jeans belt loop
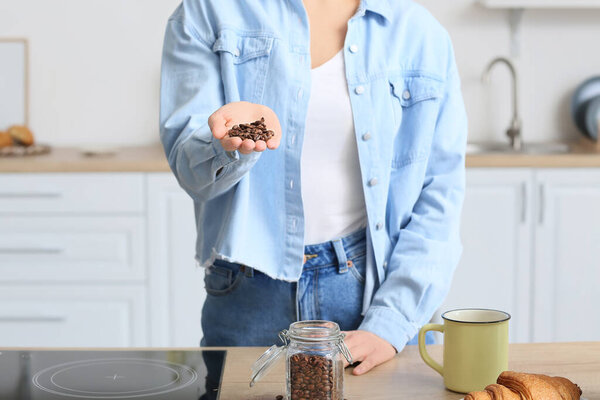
point(341, 256)
point(248, 271)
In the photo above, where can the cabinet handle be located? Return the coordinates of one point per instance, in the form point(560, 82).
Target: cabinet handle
point(523, 203)
point(29, 195)
point(30, 250)
point(542, 204)
point(33, 318)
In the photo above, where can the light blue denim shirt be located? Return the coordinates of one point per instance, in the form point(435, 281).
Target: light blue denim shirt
point(410, 127)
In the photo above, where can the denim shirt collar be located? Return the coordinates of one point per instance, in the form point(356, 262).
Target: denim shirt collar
point(381, 7)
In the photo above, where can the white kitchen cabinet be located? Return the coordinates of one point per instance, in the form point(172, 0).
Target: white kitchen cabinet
point(494, 271)
point(567, 256)
point(72, 248)
point(68, 193)
point(72, 316)
point(176, 286)
point(107, 259)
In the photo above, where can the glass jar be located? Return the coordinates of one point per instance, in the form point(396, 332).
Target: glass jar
point(314, 365)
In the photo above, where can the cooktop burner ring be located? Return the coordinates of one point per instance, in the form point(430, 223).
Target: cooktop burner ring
point(183, 377)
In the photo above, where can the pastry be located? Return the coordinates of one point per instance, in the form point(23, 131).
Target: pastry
point(21, 135)
point(494, 392)
point(521, 386)
point(5, 139)
point(536, 386)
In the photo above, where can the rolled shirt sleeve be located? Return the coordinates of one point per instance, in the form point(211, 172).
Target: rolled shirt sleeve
point(191, 90)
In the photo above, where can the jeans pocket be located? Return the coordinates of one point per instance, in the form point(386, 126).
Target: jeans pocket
point(222, 278)
point(358, 268)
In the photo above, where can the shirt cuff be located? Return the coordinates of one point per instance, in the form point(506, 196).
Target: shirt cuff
point(223, 159)
point(389, 325)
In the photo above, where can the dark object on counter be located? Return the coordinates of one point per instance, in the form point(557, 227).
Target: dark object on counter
point(584, 107)
point(148, 375)
point(256, 131)
point(592, 118)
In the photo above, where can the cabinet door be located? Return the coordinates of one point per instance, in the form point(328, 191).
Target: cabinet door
point(567, 256)
point(176, 283)
point(72, 248)
point(494, 271)
point(72, 316)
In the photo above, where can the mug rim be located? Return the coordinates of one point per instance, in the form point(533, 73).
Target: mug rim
point(507, 316)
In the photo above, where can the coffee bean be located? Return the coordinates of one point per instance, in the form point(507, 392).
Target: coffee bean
point(312, 377)
point(255, 131)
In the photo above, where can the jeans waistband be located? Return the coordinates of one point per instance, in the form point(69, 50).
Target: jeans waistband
point(335, 252)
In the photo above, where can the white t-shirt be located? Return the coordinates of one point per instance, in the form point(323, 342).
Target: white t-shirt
point(332, 192)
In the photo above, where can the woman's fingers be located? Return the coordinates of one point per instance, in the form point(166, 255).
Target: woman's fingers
point(368, 349)
point(273, 143)
point(247, 146)
point(231, 143)
point(218, 124)
point(260, 146)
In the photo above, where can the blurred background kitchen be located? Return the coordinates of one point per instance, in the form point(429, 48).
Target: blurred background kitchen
point(97, 239)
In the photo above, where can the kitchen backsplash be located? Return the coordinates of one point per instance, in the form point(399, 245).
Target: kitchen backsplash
point(95, 66)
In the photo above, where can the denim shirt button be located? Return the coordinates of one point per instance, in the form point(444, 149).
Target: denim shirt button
point(353, 48)
point(236, 52)
point(385, 264)
point(366, 136)
point(406, 95)
point(373, 182)
point(379, 226)
point(359, 90)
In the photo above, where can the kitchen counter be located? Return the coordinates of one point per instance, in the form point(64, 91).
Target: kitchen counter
point(407, 377)
point(152, 159)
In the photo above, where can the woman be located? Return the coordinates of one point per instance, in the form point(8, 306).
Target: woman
point(350, 212)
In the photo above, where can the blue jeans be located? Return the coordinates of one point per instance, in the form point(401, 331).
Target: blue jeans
point(245, 307)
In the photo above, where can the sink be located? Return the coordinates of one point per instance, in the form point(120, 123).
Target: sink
point(528, 148)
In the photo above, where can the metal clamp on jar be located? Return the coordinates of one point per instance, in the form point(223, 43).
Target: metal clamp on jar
point(314, 364)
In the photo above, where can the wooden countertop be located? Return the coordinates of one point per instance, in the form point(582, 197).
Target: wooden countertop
point(66, 159)
point(151, 158)
point(407, 377)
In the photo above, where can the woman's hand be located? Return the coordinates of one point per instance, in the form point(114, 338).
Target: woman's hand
point(369, 349)
point(242, 112)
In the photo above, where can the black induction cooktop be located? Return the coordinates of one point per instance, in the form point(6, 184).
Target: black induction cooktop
point(139, 375)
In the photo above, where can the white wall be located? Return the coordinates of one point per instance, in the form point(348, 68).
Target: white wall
point(559, 50)
point(95, 66)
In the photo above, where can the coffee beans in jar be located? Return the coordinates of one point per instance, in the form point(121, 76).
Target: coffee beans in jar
point(312, 377)
point(314, 352)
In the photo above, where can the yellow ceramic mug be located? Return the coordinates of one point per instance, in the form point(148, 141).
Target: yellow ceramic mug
point(475, 348)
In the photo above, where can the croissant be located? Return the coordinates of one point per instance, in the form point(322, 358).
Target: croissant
point(494, 392)
point(537, 386)
point(521, 386)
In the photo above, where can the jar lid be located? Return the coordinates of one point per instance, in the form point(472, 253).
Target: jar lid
point(265, 362)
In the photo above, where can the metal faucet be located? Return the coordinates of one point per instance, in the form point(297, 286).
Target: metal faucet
point(514, 130)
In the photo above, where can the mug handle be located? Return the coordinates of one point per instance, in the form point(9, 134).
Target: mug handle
point(424, 355)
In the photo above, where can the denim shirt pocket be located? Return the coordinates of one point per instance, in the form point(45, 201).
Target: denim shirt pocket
point(244, 64)
point(416, 101)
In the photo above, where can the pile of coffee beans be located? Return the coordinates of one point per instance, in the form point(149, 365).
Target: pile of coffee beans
point(256, 131)
point(312, 378)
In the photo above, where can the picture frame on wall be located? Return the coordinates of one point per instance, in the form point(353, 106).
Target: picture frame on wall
point(14, 82)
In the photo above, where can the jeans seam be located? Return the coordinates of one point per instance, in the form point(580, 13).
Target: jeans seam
point(316, 296)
